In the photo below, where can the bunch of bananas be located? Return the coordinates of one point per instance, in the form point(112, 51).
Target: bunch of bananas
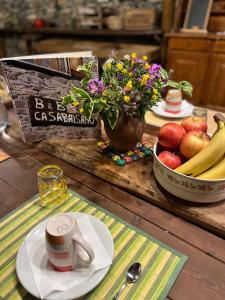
point(209, 163)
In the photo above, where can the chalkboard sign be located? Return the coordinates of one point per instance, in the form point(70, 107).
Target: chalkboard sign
point(46, 112)
point(37, 87)
point(197, 16)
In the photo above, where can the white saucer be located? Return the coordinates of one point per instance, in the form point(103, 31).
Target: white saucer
point(186, 110)
point(25, 275)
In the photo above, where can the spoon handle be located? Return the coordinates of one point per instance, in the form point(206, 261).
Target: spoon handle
point(120, 291)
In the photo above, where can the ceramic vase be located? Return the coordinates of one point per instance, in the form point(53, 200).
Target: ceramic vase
point(127, 132)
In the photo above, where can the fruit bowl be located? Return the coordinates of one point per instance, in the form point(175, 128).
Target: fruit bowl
point(186, 187)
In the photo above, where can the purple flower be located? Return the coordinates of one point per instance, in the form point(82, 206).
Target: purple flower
point(154, 71)
point(120, 77)
point(149, 84)
point(95, 86)
point(137, 60)
point(155, 68)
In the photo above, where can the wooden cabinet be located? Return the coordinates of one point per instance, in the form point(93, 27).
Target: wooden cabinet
point(201, 61)
point(215, 82)
point(190, 66)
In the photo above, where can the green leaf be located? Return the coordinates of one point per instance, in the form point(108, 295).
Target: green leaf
point(81, 68)
point(84, 81)
point(67, 100)
point(173, 84)
point(98, 106)
point(73, 97)
point(88, 108)
point(164, 73)
point(186, 87)
point(79, 92)
point(112, 117)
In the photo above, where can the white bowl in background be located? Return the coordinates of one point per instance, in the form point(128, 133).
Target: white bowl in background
point(187, 187)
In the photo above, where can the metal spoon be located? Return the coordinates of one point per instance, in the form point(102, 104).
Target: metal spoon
point(132, 276)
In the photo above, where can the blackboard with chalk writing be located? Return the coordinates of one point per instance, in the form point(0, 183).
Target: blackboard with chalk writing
point(46, 112)
point(37, 87)
point(197, 14)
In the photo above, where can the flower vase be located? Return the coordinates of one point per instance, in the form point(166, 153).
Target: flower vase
point(127, 132)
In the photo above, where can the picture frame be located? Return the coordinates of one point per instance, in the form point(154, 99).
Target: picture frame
point(197, 16)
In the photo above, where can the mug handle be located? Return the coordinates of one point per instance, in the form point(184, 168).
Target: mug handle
point(88, 249)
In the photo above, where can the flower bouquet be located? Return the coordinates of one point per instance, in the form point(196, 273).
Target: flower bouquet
point(125, 89)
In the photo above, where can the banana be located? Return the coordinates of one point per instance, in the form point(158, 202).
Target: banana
point(216, 172)
point(208, 156)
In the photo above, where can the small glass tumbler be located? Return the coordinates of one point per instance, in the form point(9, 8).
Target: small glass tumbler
point(52, 186)
point(200, 112)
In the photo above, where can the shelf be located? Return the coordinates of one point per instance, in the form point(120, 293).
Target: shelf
point(81, 32)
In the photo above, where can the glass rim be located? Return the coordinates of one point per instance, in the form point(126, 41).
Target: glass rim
point(41, 174)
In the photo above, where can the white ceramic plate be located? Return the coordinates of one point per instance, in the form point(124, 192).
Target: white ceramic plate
point(25, 274)
point(186, 110)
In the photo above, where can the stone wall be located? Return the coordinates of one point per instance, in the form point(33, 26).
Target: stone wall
point(24, 83)
point(22, 13)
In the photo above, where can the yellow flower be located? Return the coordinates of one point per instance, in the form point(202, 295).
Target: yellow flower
point(133, 55)
point(128, 86)
point(145, 57)
point(144, 79)
point(81, 110)
point(131, 74)
point(124, 71)
point(108, 66)
point(119, 66)
point(155, 91)
point(75, 103)
point(154, 97)
point(126, 98)
point(147, 66)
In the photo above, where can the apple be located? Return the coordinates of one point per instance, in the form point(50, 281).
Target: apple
point(170, 135)
point(192, 123)
point(193, 142)
point(39, 23)
point(169, 159)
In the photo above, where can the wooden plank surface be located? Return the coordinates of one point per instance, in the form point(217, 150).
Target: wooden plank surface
point(203, 274)
point(137, 178)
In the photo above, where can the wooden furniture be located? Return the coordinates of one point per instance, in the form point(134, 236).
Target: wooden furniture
point(199, 59)
point(206, 257)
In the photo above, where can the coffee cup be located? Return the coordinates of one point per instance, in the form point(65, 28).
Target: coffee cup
point(65, 246)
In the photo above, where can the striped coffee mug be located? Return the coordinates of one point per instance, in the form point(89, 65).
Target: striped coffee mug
point(65, 246)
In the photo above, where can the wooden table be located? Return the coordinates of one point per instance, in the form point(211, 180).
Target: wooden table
point(204, 273)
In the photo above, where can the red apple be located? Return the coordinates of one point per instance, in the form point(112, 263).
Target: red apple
point(170, 135)
point(39, 23)
point(169, 159)
point(193, 142)
point(192, 123)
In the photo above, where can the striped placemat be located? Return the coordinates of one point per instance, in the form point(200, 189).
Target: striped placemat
point(161, 264)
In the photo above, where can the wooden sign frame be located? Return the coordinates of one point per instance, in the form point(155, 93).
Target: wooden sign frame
point(196, 29)
point(37, 87)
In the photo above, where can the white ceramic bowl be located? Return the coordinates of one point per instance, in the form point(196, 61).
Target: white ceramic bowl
point(186, 187)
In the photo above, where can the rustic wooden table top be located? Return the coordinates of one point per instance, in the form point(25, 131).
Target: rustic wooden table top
point(202, 276)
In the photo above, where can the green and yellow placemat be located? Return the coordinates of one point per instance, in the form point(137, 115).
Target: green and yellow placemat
point(161, 264)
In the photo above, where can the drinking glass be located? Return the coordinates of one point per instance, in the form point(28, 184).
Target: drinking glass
point(52, 186)
point(200, 112)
